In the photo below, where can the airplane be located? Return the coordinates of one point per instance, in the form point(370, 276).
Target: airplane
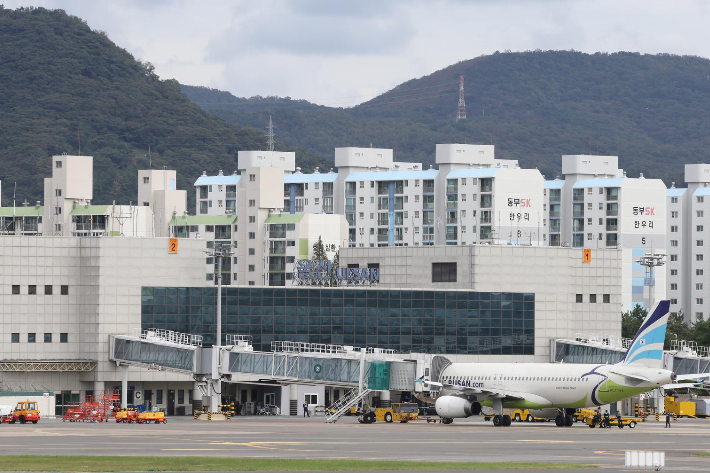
point(464, 388)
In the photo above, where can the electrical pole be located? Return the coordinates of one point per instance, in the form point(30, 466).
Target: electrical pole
point(461, 112)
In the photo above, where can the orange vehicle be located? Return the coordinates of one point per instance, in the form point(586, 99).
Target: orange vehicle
point(25, 411)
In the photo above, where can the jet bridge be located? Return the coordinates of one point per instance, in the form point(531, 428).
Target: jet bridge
point(164, 350)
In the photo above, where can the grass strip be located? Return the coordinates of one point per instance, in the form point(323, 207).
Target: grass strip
point(89, 463)
point(702, 454)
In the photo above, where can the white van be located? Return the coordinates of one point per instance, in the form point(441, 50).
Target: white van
point(5, 414)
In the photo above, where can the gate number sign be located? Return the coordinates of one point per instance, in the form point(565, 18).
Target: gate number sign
point(587, 255)
point(173, 246)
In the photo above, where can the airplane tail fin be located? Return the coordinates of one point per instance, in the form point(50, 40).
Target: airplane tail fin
point(646, 349)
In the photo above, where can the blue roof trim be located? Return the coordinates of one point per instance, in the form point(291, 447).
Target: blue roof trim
point(599, 182)
point(472, 172)
point(211, 180)
point(555, 184)
point(674, 192)
point(392, 175)
point(302, 178)
point(702, 191)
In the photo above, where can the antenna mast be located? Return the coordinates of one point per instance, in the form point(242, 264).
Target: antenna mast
point(461, 113)
point(270, 135)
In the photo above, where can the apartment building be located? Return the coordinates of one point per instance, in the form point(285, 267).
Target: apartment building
point(688, 261)
point(23, 220)
point(597, 206)
point(157, 190)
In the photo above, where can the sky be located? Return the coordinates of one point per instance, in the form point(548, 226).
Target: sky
point(340, 53)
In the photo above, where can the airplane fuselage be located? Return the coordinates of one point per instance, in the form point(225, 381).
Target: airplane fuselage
point(541, 385)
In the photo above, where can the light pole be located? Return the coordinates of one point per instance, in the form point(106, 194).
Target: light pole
point(219, 251)
point(650, 262)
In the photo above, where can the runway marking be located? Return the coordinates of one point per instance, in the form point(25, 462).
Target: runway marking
point(263, 445)
point(546, 441)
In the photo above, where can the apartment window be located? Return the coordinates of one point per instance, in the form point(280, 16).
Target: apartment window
point(31, 337)
point(291, 243)
point(674, 272)
point(416, 182)
point(252, 177)
point(416, 230)
point(209, 277)
point(252, 235)
point(362, 214)
point(699, 315)
point(699, 228)
point(674, 228)
point(699, 257)
point(362, 184)
point(578, 298)
point(210, 204)
point(47, 338)
point(252, 218)
point(31, 289)
point(674, 257)
point(606, 298)
point(251, 283)
point(700, 199)
point(416, 199)
point(698, 272)
point(252, 203)
point(674, 287)
point(146, 180)
point(699, 213)
point(58, 192)
point(372, 215)
point(674, 242)
point(58, 164)
point(463, 181)
point(443, 272)
point(317, 201)
point(674, 301)
point(159, 397)
point(699, 300)
point(698, 242)
point(219, 203)
point(593, 298)
point(589, 206)
point(589, 236)
point(15, 288)
point(252, 268)
point(699, 286)
point(15, 338)
point(601, 221)
point(589, 191)
point(362, 200)
point(601, 191)
point(57, 210)
point(48, 290)
point(209, 228)
point(64, 337)
point(252, 252)
point(601, 206)
point(589, 221)
point(317, 185)
point(64, 290)
point(674, 200)
point(674, 214)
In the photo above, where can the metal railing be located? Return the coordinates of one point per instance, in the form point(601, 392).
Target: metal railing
point(603, 339)
point(238, 340)
point(156, 334)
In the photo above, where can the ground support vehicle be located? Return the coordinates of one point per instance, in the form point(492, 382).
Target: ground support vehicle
point(152, 417)
point(25, 411)
point(399, 412)
point(5, 414)
point(126, 416)
point(629, 422)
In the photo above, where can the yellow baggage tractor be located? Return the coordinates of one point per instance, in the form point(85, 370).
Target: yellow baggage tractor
point(148, 417)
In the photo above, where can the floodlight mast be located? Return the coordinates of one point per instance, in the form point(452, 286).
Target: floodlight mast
point(650, 261)
point(219, 251)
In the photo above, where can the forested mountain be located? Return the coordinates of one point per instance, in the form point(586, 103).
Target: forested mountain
point(653, 111)
point(63, 86)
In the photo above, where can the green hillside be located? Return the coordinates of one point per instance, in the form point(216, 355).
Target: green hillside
point(62, 83)
point(650, 110)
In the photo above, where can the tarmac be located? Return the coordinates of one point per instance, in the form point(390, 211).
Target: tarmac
point(469, 440)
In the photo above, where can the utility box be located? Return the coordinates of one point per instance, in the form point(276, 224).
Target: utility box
point(379, 378)
point(680, 408)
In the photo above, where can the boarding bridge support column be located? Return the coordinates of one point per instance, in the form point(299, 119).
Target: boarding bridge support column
point(385, 400)
point(285, 400)
point(124, 386)
point(98, 387)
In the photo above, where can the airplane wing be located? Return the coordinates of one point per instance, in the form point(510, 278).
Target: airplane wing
point(695, 376)
point(683, 385)
point(490, 392)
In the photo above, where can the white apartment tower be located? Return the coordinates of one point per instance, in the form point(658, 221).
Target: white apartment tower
point(597, 206)
point(157, 190)
point(72, 183)
point(689, 263)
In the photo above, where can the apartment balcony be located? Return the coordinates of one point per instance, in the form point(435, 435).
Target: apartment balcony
point(452, 205)
point(555, 228)
point(452, 189)
point(428, 190)
point(578, 198)
point(350, 208)
point(554, 214)
point(451, 221)
point(485, 220)
point(612, 213)
point(277, 234)
point(578, 213)
point(277, 267)
point(612, 228)
point(382, 238)
point(232, 195)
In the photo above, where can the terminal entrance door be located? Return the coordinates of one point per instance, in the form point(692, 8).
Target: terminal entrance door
point(148, 399)
point(171, 402)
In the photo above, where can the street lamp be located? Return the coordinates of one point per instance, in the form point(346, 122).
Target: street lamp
point(219, 251)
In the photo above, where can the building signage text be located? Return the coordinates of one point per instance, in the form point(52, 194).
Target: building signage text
point(323, 271)
point(518, 202)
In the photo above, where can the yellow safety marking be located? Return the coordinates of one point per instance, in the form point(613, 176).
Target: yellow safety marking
point(262, 445)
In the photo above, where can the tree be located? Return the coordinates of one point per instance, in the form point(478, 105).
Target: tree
point(678, 329)
point(631, 321)
point(319, 253)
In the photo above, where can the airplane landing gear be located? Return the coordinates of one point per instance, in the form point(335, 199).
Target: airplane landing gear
point(563, 419)
point(502, 421)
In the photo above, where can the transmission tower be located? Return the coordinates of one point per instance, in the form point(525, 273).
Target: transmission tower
point(461, 113)
point(270, 135)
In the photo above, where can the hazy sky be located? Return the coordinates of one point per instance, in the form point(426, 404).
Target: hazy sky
point(340, 53)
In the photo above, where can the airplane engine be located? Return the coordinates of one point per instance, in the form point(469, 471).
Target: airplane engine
point(453, 406)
